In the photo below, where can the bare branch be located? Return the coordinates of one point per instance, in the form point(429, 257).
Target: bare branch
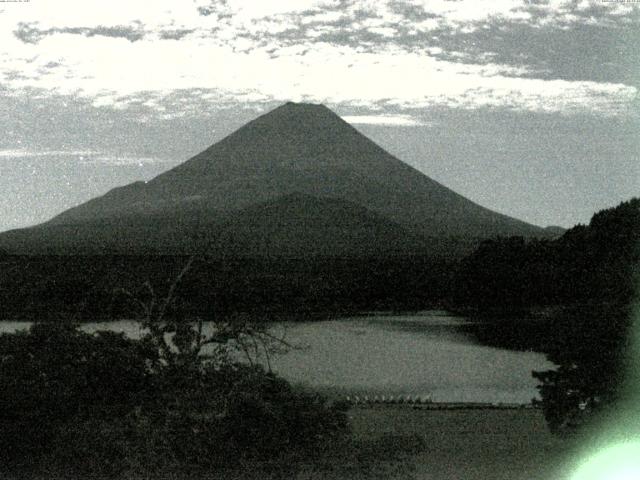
point(170, 296)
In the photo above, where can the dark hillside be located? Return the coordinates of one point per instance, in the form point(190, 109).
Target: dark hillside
point(82, 287)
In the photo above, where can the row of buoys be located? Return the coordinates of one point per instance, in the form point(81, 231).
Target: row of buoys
point(390, 399)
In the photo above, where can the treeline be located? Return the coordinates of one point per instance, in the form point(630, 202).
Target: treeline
point(90, 288)
point(594, 264)
point(583, 287)
point(540, 294)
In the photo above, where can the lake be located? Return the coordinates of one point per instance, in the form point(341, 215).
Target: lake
point(379, 354)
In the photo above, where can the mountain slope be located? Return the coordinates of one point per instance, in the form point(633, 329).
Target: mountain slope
point(301, 225)
point(290, 226)
point(296, 148)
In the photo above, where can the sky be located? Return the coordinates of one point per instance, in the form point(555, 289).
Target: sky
point(529, 108)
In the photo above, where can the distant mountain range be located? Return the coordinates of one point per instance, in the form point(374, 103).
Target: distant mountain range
point(295, 181)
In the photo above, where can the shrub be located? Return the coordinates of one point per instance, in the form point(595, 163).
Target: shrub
point(591, 348)
point(103, 404)
point(55, 373)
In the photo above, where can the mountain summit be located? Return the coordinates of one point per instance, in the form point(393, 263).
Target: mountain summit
point(301, 153)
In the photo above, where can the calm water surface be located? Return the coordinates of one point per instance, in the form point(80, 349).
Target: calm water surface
point(418, 354)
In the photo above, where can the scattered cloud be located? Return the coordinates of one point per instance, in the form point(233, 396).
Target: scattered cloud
point(175, 34)
point(23, 153)
point(463, 54)
point(389, 120)
point(30, 33)
point(81, 157)
point(122, 160)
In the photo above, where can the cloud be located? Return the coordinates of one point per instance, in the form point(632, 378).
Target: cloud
point(82, 157)
point(473, 14)
point(29, 33)
point(23, 153)
point(390, 120)
point(463, 54)
point(123, 160)
point(175, 34)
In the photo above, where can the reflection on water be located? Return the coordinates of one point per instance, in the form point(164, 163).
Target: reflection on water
point(419, 354)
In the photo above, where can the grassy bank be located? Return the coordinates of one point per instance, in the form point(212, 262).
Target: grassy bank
point(465, 444)
point(402, 443)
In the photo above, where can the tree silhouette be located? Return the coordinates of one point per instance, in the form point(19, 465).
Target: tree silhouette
point(591, 342)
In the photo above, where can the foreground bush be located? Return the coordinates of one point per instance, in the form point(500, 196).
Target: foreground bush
point(592, 348)
point(102, 404)
point(54, 374)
